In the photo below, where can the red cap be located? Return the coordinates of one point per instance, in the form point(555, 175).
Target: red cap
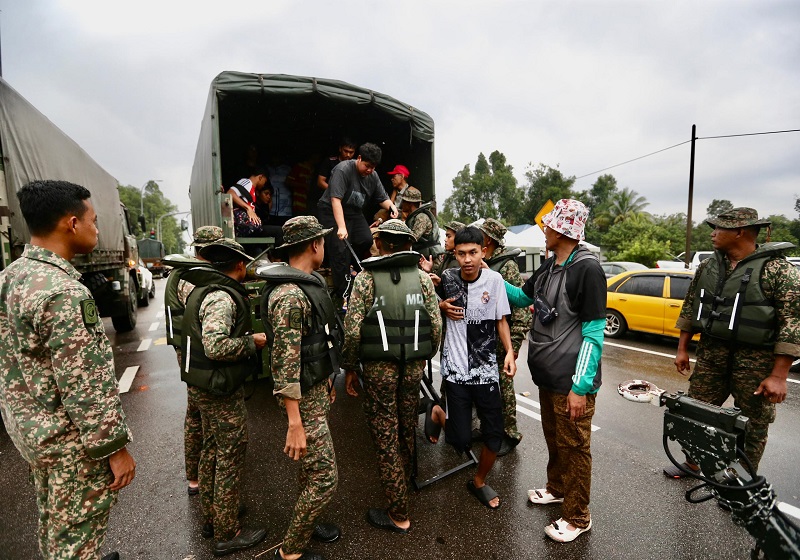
point(400, 169)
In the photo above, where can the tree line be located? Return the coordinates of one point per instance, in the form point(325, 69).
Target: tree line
point(155, 206)
point(618, 222)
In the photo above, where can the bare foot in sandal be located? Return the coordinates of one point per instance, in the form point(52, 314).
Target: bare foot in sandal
point(439, 418)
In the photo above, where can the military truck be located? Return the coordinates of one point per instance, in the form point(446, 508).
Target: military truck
point(33, 148)
point(298, 120)
point(151, 252)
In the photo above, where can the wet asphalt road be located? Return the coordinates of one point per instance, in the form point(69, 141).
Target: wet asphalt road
point(636, 511)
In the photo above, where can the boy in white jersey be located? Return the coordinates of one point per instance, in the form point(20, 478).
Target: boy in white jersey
point(469, 361)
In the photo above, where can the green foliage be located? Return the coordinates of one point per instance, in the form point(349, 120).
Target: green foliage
point(155, 206)
point(490, 192)
point(543, 183)
point(717, 207)
point(644, 250)
point(781, 231)
point(597, 199)
point(626, 204)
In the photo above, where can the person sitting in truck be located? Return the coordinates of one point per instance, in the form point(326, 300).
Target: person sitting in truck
point(352, 184)
point(243, 195)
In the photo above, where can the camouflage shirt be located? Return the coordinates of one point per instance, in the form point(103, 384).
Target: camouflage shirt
point(289, 314)
point(58, 390)
point(217, 314)
point(361, 300)
point(420, 225)
point(780, 282)
point(520, 321)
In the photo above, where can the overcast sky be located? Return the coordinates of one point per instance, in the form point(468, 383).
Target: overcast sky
point(579, 85)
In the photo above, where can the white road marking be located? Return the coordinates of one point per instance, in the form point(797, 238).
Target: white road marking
point(160, 314)
point(789, 509)
point(154, 326)
point(790, 380)
point(528, 401)
point(146, 342)
point(127, 378)
point(642, 350)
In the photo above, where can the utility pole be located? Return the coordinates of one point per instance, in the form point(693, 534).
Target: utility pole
point(687, 257)
point(158, 227)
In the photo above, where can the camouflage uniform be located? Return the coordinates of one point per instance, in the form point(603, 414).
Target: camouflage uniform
point(224, 417)
point(192, 423)
point(723, 369)
point(289, 313)
point(59, 399)
point(392, 391)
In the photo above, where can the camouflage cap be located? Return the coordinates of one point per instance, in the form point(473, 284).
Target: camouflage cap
point(302, 228)
point(412, 194)
point(494, 229)
point(223, 250)
point(736, 218)
point(207, 234)
point(455, 225)
point(395, 227)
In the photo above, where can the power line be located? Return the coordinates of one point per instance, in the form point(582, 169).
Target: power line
point(632, 160)
point(686, 142)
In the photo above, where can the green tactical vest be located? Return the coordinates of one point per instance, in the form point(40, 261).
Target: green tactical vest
point(320, 350)
point(428, 245)
point(173, 308)
point(198, 370)
point(449, 261)
point(398, 327)
point(497, 261)
point(734, 308)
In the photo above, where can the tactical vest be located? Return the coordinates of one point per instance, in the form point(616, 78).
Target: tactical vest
point(449, 261)
point(397, 327)
point(173, 307)
point(427, 245)
point(734, 308)
point(198, 370)
point(497, 261)
point(320, 349)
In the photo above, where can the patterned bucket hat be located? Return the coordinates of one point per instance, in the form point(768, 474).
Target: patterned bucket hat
point(737, 218)
point(224, 250)
point(207, 234)
point(302, 228)
point(396, 227)
point(568, 217)
point(494, 229)
point(455, 225)
point(412, 194)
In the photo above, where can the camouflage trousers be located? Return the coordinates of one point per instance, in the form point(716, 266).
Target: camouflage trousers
point(318, 475)
point(712, 384)
point(222, 458)
point(569, 465)
point(192, 433)
point(509, 402)
point(391, 405)
point(74, 504)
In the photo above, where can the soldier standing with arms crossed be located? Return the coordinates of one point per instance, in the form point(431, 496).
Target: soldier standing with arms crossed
point(392, 289)
point(218, 355)
point(58, 390)
point(744, 300)
point(176, 292)
point(300, 318)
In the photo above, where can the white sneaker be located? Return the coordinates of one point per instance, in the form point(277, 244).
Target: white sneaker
point(559, 532)
point(542, 496)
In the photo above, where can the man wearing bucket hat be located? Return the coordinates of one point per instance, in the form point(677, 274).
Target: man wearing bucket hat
point(502, 259)
point(422, 223)
point(218, 354)
point(744, 302)
point(392, 300)
point(300, 319)
point(176, 292)
point(441, 262)
point(565, 344)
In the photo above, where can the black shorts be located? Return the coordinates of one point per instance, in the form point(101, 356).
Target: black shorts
point(488, 403)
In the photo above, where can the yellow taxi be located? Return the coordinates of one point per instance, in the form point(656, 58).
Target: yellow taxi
point(646, 300)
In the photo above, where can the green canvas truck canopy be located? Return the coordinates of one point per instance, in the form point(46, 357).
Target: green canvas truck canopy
point(297, 118)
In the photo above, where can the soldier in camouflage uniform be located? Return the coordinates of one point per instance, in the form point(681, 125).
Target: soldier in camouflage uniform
point(192, 424)
point(443, 261)
point(391, 384)
point(297, 310)
point(422, 223)
point(58, 391)
point(215, 339)
point(750, 356)
point(502, 260)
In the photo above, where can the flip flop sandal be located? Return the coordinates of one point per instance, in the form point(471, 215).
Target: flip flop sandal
point(674, 472)
point(484, 494)
point(559, 532)
point(379, 518)
point(542, 496)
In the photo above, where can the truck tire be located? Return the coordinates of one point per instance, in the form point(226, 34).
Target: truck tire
point(127, 322)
